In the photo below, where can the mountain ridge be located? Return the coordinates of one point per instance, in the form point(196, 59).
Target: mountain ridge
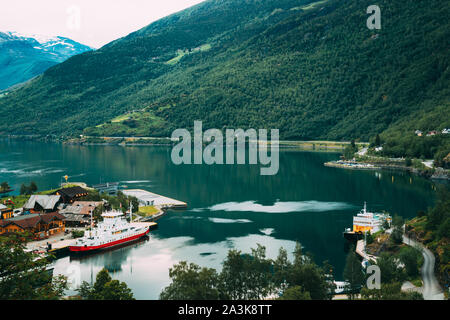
point(313, 71)
point(22, 57)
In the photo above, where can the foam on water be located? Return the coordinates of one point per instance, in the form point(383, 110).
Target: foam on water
point(281, 207)
point(267, 231)
point(221, 220)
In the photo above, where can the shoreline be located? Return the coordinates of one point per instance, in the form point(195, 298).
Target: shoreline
point(432, 173)
point(319, 145)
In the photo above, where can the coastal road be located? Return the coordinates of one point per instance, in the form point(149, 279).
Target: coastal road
point(431, 288)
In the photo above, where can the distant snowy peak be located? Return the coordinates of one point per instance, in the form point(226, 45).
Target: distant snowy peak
point(45, 42)
point(39, 38)
point(23, 56)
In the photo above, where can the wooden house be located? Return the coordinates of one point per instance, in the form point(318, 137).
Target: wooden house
point(71, 194)
point(42, 203)
point(41, 226)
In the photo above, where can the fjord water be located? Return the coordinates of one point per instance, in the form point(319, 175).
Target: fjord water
point(230, 206)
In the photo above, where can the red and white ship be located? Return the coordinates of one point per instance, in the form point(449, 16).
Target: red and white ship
point(112, 231)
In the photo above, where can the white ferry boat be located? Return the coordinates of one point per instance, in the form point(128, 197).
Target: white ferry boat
point(364, 222)
point(112, 231)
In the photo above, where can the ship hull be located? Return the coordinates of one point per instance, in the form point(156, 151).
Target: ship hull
point(82, 249)
point(353, 236)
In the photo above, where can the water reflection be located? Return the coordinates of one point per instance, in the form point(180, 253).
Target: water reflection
point(230, 206)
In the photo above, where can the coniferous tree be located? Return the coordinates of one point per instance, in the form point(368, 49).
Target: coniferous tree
point(353, 273)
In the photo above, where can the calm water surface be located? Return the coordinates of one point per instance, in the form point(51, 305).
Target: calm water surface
point(229, 206)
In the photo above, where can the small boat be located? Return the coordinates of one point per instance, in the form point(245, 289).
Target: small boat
point(114, 230)
point(364, 222)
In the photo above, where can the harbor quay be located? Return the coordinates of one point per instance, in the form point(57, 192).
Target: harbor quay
point(147, 198)
point(59, 219)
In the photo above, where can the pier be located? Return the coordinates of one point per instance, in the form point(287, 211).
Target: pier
point(60, 248)
point(152, 225)
point(147, 198)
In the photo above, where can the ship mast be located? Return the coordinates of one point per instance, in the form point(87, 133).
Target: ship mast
point(92, 223)
point(131, 212)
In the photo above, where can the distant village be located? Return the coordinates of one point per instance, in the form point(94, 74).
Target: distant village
point(44, 216)
point(47, 215)
point(431, 133)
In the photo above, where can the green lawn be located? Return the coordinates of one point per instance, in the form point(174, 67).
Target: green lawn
point(417, 282)
point(19, 201)
point(143, 123)
point(147, 211)
point(182, 53)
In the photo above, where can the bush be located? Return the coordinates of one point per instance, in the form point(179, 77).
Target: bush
point(397, 235)
point(408, 162)
point(369, 238)
point(412, 258)
point(77, 234)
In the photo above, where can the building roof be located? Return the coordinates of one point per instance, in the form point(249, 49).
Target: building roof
point(81, 207)
point(47, 202)
point(75, 218)
point(72, 191)
point(31, 220)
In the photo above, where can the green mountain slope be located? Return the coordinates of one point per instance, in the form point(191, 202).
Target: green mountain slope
point(312, 69)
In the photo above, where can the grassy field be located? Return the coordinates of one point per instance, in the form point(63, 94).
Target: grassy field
point(135, 124)
point(18, 201)
point(147, 211)
point(182, 53)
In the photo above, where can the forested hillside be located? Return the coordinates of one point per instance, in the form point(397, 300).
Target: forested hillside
point(312, 69)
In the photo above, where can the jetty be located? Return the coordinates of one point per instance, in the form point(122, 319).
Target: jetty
point(152, 225)
point(147, 198)
point(60, 248)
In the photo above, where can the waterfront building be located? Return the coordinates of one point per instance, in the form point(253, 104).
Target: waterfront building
point(78, 213)
point(69, 195)
point(5, 212)
point(42, 203)
point(41, 226)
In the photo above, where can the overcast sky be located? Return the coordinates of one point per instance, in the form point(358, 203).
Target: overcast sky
point(91, 22)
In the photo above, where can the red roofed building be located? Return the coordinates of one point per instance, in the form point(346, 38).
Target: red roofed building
point(41, 226)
